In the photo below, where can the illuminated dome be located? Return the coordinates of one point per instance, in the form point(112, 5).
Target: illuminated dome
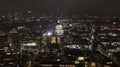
point(59, 27)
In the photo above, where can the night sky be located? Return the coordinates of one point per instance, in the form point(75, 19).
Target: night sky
point(94, 7)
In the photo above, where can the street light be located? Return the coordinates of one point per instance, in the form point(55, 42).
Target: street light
point(44, 34)
point(30, 44)
point(49, 33)
point(81, 58)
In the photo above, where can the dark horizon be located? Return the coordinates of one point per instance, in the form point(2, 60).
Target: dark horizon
point(67, 7)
